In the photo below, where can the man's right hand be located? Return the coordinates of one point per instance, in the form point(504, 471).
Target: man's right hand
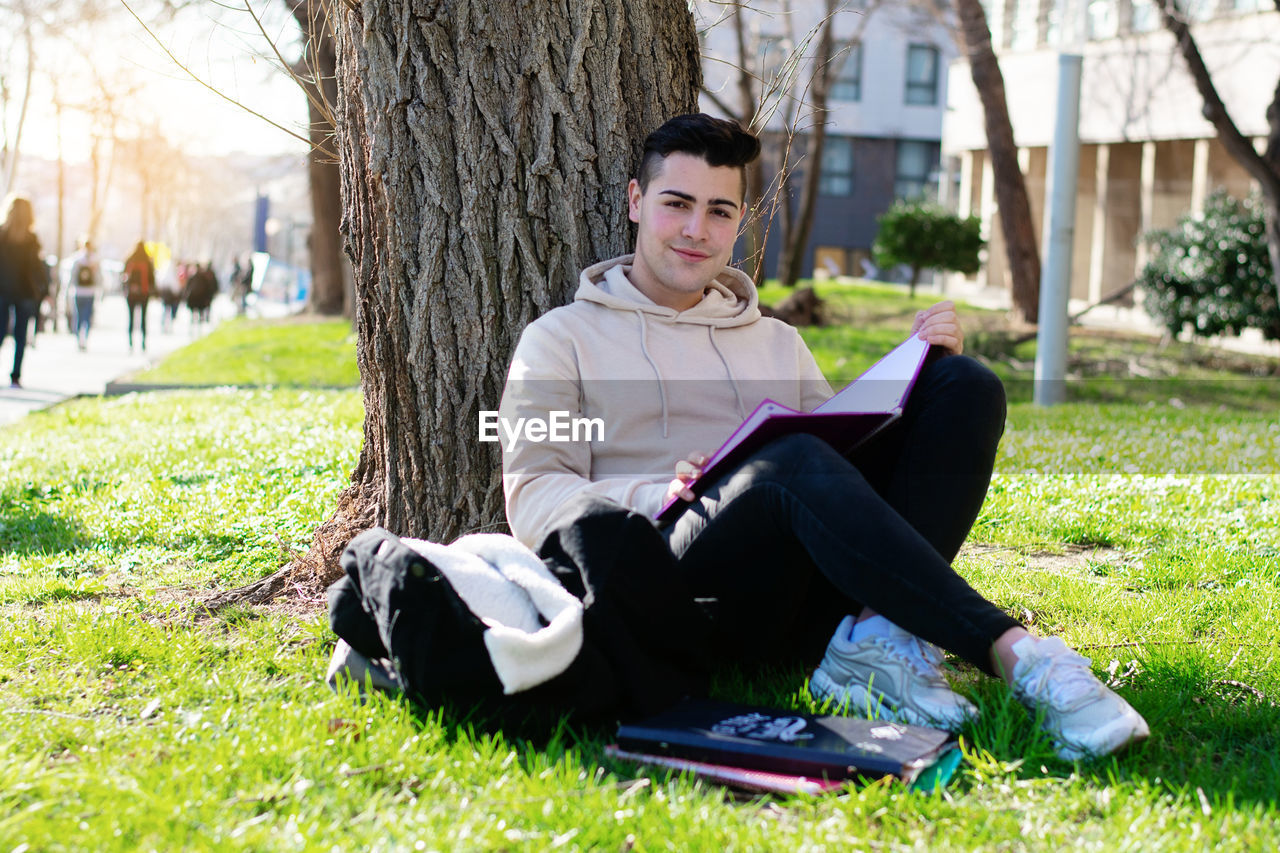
point(688, 470)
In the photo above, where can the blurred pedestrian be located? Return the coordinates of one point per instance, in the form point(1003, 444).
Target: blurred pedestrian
point(170, 293)
point(86, 277)
point(242, 286)
point(22, 277)
point(202, 286)
point(139, 285)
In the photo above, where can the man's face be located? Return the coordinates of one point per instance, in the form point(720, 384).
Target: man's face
point(688, 221)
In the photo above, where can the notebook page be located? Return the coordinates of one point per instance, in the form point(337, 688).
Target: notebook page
point(884, 384)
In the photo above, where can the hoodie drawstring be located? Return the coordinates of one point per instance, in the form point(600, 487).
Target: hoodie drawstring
point(737, 393)
point(662, 386)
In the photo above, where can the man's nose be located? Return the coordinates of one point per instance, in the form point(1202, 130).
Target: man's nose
point(695, 226)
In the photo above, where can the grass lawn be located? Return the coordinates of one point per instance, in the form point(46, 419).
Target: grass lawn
point(300, 352)
point(1145, 532)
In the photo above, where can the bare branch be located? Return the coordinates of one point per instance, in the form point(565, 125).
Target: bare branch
point(1214, 110)
point(208, 86)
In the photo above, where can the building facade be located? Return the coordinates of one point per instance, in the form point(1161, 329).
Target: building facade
point(1147, 154)
point(887, 96)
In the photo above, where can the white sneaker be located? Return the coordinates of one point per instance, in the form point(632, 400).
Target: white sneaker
point(898, 677)
point(1084, 717)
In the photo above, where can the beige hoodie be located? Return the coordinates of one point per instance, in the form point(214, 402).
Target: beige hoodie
point(660, 383)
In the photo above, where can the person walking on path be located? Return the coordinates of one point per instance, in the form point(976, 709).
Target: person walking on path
point(23, 278)
point(666, 347)
point(139, 285)
point(202, 286)
point(85, 278)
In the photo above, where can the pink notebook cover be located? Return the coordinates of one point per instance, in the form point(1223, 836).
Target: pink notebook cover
point(737, 777)
point(852, 415)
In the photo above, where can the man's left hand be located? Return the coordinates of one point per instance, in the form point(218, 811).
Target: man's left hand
point(939, 325)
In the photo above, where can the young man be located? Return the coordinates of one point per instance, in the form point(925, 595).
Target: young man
point(665, 351)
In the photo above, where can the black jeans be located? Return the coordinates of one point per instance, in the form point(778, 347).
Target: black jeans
point(797, 535)
point(138, 306)
point(22, 310)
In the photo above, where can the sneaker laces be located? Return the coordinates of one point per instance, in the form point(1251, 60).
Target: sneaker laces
point(924, 658)
point(1059, 674)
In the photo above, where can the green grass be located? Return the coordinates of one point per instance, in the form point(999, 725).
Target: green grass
point(867, 319)
point(300, 352)
point(1143, 532)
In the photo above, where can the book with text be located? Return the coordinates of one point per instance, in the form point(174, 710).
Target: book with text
point(849, 417)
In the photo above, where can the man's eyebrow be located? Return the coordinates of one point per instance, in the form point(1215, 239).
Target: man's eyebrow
point(714, 202)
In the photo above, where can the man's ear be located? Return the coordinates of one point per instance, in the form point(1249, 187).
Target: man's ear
point(634, 196)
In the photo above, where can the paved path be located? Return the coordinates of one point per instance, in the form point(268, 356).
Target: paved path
point(55, 369)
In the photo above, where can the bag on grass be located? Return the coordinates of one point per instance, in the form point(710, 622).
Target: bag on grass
point(597, 625)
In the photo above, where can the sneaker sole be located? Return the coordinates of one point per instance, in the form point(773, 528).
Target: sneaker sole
point(856, 698)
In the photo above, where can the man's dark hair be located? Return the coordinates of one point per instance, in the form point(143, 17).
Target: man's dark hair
point(721, 142)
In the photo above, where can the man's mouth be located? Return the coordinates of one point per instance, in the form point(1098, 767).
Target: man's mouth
point(691, 254)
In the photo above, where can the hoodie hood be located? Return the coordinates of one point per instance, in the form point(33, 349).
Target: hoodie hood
point(729, 300)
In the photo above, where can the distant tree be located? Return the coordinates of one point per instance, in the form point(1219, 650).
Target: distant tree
point(1021, 245)
point(1211, 273)
point(1263, 167)
point(923, 236)
point(316, 72)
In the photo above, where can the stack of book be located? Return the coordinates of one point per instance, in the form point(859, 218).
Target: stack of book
point(772, 750)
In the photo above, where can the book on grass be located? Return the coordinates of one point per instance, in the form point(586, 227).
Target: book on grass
point(849, 417)
point(775, 741)
point(761, 781)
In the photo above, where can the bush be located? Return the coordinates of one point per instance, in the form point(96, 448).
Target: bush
point(924, 235)
point(1211, 271)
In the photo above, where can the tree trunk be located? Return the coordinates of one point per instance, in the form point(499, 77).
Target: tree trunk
point(755, 169)
point(791, 261)
point(1263, 168)
point(1010, 187)
point(11, 169)
point(485, 151)
point(317, 74)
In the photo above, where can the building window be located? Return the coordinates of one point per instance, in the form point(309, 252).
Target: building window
point(837, 166)
point(917, 161)
point(1201, 10)
point(1143, 16)
point(1026, 25)
point(847, 85)
point(771, 54)
point(922, 74)
point(1102, 19)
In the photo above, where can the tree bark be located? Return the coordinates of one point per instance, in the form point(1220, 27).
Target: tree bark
point(485, 150)
point(1263, 168)
point(331, 292)
point(1010, 187)
point(791, 259)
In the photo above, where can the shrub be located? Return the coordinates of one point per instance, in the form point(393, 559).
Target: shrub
point(1211, 271)
point(923, 236)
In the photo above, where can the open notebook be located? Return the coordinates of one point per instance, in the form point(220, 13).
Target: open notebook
point(852, 415)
